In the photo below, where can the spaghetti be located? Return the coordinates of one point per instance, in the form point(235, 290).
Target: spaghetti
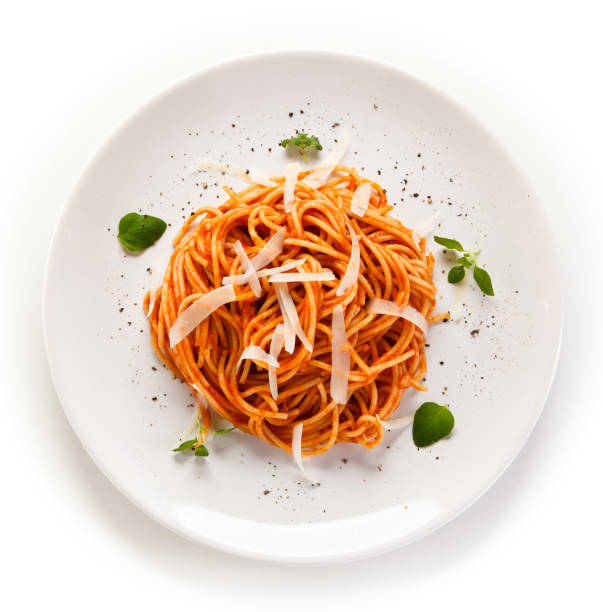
point(385, 352)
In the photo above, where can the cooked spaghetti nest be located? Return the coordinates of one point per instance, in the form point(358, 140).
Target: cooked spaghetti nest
point(386, 353)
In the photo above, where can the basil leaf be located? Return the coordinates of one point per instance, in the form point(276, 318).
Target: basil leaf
point(482, 278)
point(464, 261)
point(223, 431)
point(456, 274)
point(449, 243)
point(431, 423)
point(201, 451)
point(184, 446)
point(138, 232)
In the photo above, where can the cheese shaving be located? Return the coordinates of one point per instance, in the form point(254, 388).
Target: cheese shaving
point(193, 425)
point(423, 228)
point(198, 311)
point(361, 199)
point(427, 226)
point(271, 250)
point(340, 358)
point(296, 449)
point(257, 353)
point(289, 313)
point(302, 277)
point(250, 271)
point(233, 170)
point(317, 177)
point(276, 346)
point(399, 423)
point(350, 277)
point(385, 307)
point(291, 172)
point(241, 279)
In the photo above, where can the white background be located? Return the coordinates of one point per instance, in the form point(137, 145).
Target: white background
point(73, 71)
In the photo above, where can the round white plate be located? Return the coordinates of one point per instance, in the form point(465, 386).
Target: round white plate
point(493, 364)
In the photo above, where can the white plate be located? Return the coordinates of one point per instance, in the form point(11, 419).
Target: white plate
point(248, 497)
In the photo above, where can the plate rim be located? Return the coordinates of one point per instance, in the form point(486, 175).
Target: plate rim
point(396, 541)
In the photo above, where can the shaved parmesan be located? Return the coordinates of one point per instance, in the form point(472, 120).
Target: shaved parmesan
point(193, 425)
point(399, 423)
point(276, 346)
point(287, 307)
point(291, 172)
point(198, 311)
point(250, 271)
point(288, 332)
point(361, 199)
point(340, 358)
point(271, 250)
point(296, 449)
point(199, 396)
point(302, 277)
point(385, 307)
point(233, 170)
point(257, 354)
point(152, 299)
point(241, 279)
point(350, 278)
point(317, 177)
point(423, 228)
point(428, 225)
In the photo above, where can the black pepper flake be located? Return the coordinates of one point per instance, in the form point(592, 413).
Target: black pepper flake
point(344, 460)
point(154, 368)
point(154, 399)
point(266, 491)
point(474, 332)
point(121, 309)
point(375, 106)
point(233, 125)
point(415, 195)
point(335, 125)
point(290, 114)
point(441, 363)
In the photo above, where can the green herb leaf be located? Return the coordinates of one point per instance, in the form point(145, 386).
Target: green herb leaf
point(219, 432)
point(449, 243)
point(184, 446)
point(431, 423)
point(201, 451)
point(301, 142)
point(456, 274)
point(464, 261)
point(138, 232)
point(482, 278)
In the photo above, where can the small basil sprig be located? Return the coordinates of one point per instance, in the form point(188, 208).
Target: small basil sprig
point(301, 142)
point(138, 232)
point(467, 260)
point(200, 451)
point(431, 423)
